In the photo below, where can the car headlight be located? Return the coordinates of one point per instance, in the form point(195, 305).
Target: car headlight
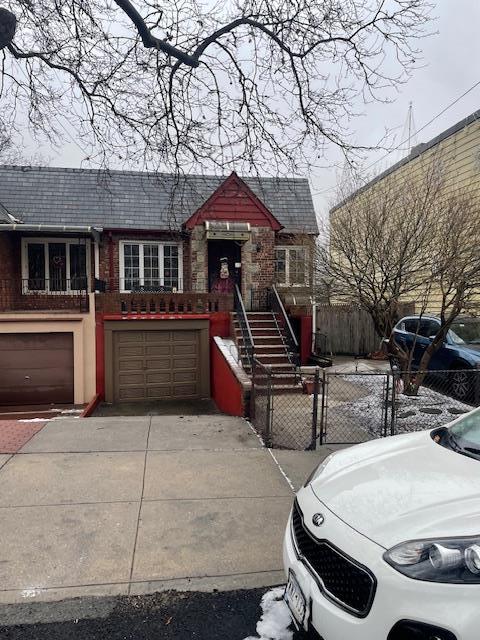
point(319, 470)
point(454, 560)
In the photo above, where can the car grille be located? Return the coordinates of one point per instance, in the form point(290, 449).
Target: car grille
point(340, 578)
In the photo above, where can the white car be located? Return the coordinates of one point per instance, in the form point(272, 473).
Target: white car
point(383, 542)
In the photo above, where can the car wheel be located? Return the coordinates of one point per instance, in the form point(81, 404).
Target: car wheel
point(461, 384)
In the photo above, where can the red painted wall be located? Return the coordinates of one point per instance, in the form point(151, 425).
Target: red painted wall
point(306, 327)
point(226, 389)
point(220, 324)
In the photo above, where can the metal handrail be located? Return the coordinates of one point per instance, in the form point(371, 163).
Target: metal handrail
point(248, 343)
point(292, 338)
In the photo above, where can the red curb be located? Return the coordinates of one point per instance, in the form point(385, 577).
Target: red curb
point(91, 406)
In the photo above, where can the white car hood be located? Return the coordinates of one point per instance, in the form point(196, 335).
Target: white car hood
point(403, 488)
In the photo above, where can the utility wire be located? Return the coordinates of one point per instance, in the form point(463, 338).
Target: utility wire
point(427, 124)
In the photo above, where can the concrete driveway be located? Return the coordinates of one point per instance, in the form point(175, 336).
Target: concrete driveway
point(131, 505)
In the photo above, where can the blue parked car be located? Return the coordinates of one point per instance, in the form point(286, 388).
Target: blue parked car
point(459, 352)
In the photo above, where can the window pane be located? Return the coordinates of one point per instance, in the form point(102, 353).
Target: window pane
point(78, 267)
point(57, 264)
point(280, 266)
point(36, 266)
point(170, 266)
point(296, 266)
point(131, 266)
point(151, 270)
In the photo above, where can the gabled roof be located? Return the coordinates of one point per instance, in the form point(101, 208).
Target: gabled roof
point(233, 200)
point(139, 200)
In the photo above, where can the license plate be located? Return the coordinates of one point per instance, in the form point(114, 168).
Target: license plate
point(295, 599)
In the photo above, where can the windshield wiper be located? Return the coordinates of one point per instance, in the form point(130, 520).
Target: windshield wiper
point(473, 450)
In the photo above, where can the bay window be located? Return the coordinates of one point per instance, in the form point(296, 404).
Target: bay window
point(291, 266)
point(154, 266)
point(54, 265)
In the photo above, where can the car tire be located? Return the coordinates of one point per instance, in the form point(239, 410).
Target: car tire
point(461, 383)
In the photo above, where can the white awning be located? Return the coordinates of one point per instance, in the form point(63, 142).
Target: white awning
point(226, 230)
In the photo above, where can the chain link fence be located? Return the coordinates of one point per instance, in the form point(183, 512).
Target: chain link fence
point(284, 413)
point(348, 408)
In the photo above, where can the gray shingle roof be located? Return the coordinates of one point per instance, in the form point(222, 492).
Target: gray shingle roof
point(137, 200)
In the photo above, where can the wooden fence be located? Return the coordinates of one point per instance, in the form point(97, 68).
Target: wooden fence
point(348, 329)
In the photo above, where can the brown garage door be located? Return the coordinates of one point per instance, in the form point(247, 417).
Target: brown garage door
point(151, 365)
point(36, 368)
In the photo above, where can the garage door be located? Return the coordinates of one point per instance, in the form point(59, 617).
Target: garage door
point(36, 368)
point(150, 365)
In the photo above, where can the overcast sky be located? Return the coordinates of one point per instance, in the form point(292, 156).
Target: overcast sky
point(450, 67)
point(450, 61)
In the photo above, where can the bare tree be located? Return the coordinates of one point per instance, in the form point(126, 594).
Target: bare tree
point(453, 270)
point(376, 245)
point(260, 85)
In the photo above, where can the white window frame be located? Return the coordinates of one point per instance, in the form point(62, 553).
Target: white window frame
point(161, 261)
point(45, 241)
point(287, 249)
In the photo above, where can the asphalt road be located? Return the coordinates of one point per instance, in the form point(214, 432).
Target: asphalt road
point(226, 615)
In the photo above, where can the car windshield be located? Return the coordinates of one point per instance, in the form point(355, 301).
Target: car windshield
point(464, 435)
point(465, 331)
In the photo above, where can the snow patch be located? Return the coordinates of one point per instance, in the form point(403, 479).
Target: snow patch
point(46, 419)
point(276, 619)
point(428, 410)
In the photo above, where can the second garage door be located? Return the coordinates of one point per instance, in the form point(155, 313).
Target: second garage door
point(36, 368)
point(155, 365)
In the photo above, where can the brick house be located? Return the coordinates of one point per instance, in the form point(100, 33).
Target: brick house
point(111, 282)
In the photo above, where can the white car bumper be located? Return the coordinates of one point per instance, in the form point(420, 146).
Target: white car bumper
point(453, 608)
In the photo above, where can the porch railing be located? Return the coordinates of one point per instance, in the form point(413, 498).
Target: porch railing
point(42, 294)
point(248, 343)
point(276, 306)
point(154, 303)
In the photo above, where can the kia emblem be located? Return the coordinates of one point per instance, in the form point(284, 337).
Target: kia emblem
point(318, 519)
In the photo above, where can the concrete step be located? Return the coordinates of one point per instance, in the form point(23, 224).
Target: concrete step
point(264, 324)
point(269, 349)
point(284, 389)
point(273, 358)
point(273, 341)
point(279, 379)
point(259, 315)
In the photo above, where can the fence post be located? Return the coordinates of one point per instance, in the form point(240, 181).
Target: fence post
point(387, 398)
point(393, 417)
point(322, 407)
point(252, 393)
point(269, 416)
point(316, 385)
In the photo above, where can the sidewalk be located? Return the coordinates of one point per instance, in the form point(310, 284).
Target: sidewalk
point(130, 505)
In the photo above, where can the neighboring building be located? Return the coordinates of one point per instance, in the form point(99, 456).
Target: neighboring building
point(110, 281)
point(452, 158)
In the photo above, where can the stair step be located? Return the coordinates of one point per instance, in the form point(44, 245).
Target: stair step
point(261, 322)
point(268, 349)
point(275, 341)
point(283, 389)
point(259, 315)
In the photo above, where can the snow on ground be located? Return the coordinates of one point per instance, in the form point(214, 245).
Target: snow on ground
point(426, 411)
point(276, 619)
point(46, 419)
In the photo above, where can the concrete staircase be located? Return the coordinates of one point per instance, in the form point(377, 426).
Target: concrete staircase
point(270, 350)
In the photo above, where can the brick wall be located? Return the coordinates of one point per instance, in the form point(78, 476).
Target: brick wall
point(258, 260)
point(199, 259)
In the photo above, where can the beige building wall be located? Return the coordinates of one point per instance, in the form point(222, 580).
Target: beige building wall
point(82, 325)
point(454, 160)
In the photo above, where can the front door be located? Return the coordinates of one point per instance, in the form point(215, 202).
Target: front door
point(224, 265)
